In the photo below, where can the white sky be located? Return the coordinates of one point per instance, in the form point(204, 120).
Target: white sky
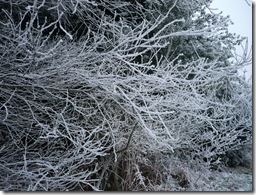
point(241, 14)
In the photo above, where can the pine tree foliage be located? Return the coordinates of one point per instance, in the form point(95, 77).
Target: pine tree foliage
point(120, 95)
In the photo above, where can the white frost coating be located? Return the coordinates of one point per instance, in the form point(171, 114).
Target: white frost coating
point(117, 108)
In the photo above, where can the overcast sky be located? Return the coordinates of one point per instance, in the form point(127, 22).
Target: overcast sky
point(241, 14)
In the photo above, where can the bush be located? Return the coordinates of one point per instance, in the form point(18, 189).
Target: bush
point(101, 109)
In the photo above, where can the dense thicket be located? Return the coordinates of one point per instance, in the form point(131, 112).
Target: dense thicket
point(119, 95)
